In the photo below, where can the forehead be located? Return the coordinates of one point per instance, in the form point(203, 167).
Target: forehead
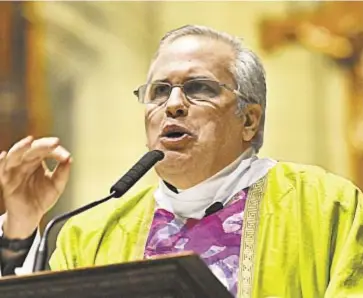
point(193, 56)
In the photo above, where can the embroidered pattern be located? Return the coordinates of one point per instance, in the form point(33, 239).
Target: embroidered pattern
point(249, 237)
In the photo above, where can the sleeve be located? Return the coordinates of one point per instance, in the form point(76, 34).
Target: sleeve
point(346, 271)
point(26, 265)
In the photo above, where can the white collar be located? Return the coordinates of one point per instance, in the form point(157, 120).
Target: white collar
point(192, 202)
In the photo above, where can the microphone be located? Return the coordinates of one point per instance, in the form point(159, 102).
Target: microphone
point(213, 208)
point(117, 190)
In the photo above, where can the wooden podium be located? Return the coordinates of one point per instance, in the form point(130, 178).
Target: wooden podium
point(184, 276)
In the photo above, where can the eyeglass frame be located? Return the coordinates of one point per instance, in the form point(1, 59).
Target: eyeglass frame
point(181, 86)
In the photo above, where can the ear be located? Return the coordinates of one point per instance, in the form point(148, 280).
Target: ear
point(252, 116)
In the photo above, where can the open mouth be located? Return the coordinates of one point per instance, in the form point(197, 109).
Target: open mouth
point(175, 132)
point(174, 135)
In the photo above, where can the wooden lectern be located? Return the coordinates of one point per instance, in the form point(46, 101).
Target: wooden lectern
point(183, 276)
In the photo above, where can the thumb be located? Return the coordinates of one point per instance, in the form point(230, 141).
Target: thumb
point(60, 175)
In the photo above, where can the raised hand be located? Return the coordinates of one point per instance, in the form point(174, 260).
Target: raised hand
point(28, 188)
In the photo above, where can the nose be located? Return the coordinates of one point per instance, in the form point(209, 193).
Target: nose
point(177, 104)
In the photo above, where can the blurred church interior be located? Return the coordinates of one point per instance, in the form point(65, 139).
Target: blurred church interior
point(68, 69)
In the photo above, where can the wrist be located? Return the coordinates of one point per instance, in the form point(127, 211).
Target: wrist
point(16, 246)
point(13, 228)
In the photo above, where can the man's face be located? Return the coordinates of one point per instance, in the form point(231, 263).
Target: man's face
point(199, 138)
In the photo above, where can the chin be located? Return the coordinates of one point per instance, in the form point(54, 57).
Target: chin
point(174, 161)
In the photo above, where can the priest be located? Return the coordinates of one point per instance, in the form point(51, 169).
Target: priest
point(280, 229)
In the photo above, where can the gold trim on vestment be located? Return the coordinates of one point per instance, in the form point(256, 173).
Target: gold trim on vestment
point(248, 250)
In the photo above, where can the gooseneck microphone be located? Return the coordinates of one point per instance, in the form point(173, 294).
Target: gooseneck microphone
point(117, 190)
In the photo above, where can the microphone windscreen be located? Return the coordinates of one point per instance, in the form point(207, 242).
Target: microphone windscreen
point(136, 172)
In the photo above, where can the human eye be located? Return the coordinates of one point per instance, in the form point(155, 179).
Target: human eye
point(201, 88)
point(159, 91)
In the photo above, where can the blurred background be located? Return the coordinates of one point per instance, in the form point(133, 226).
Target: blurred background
point(68, 69)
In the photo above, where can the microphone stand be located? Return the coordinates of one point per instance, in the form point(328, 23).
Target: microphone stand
point(42, 252)
point(117, 190)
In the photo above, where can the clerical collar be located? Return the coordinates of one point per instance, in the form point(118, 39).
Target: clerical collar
point(192, 202)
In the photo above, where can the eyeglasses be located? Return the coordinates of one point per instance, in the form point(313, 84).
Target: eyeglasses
point(196, 89)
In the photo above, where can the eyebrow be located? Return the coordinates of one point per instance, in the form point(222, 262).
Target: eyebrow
point(200, 77)
point(189, 78)
point(159, 81)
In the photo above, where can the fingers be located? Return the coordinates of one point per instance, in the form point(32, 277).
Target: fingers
point(28, 187)
point(26, 155)
point(60, 154)
point(15, 154)
point(40, 148)
point(29, 165)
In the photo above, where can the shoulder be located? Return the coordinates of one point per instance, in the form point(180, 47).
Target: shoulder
point(108, 213)
point(312, 181)
point(80, 239)
point(308, 174)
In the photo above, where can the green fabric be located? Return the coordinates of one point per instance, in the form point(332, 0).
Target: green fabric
point(309, 241)
point(310, 236)
point(113, 232)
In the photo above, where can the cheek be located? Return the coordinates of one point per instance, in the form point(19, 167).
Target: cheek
point(153, 121)
point(211, 127)
point(221, 127)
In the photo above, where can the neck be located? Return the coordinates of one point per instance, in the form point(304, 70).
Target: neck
point(198, 174)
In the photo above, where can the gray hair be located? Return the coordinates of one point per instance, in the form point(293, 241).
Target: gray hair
point(247, 69)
